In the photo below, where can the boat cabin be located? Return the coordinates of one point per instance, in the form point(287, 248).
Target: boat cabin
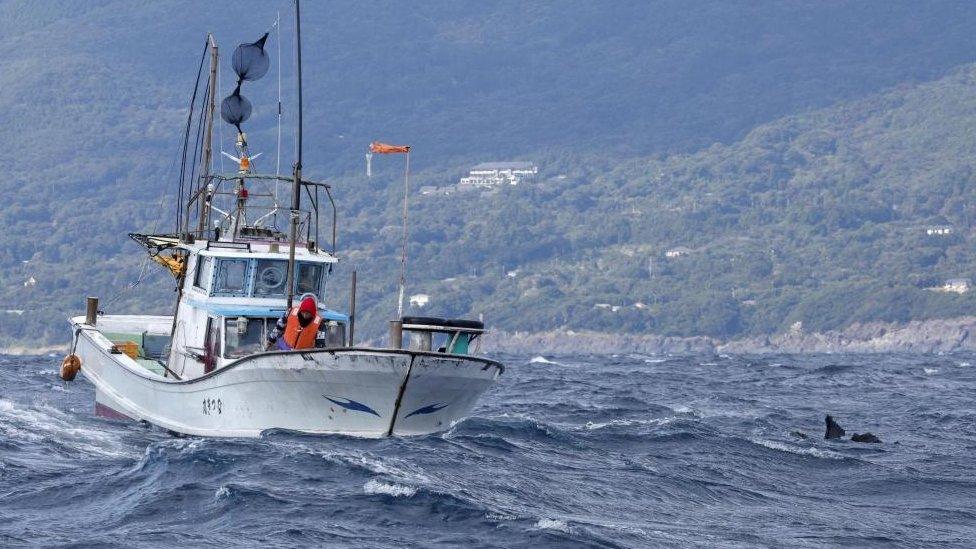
point(234, 294)
point(431, 334)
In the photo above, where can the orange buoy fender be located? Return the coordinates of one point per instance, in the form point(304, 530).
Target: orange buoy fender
point(70, 366)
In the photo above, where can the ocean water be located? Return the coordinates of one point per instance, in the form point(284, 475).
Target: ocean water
point(582, 451)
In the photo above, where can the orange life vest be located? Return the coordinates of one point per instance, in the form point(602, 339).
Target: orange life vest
point(297, 337)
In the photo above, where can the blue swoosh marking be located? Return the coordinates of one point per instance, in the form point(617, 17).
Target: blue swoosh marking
point(429, 409)
point(352, 405)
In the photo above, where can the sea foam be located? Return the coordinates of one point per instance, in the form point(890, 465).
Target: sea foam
point(373, 487)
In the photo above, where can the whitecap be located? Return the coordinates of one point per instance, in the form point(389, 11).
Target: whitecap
point(42, 422)
point(654, 360)
point(391, 467)
point(930, 371)
point(222, 492)
point(963, 364)
point(628, 422)
point(541, 360)
point(552, 524)
point(808, 451)
point(373, 487)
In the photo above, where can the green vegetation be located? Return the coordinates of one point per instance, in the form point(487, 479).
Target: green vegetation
point(654, 128)
point(819, 218)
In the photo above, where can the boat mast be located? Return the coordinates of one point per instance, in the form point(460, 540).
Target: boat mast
point(203, 193)
point(296, 197)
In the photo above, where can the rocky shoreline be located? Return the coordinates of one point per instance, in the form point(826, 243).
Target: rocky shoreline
point(919, 336)
point(18, 350)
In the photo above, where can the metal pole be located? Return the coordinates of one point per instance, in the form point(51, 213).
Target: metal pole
point(202, 194)
point(396, 334)
point(403, 251)
point(91, 310)
point(296, 196)
point(352, 310)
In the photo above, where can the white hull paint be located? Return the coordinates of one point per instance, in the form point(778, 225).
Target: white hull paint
point(352, 391)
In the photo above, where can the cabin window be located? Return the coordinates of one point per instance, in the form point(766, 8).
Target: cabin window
point(309, 278)
point(204, 272)
point(460, 346)
point(231, 277)
point(421, 341)
point(211, 345)
point(244, 336)
point(335, 334)
point(270, 278)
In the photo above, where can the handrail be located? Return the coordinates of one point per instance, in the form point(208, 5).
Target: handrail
point(236, 176)
point(305, 182)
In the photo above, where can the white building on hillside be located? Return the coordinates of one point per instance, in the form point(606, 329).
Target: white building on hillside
point(957, 285)
point(679, 251)
point(938, 230)
point(492, 174)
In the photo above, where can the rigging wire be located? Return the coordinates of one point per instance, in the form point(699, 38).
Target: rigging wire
point(197, 150)
point(182, 143)
point(144, 271)
point(186, 180)
point(220, 127)
point(186, 140)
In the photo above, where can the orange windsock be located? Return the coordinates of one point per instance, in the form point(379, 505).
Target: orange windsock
point(383, 148)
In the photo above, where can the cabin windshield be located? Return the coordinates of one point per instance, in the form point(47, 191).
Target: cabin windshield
point(309, 278)
point(455, 343)
point(245, 336)
point(270, 278)
point(265, 278)
point(231, 277)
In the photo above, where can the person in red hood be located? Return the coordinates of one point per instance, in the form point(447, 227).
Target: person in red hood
point(300, 328)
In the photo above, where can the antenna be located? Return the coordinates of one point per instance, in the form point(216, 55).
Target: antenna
point(278, 155)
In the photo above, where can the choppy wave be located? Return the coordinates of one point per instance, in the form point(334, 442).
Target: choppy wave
point(615, 451)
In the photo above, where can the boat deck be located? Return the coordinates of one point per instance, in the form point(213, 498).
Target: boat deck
point(144, 338)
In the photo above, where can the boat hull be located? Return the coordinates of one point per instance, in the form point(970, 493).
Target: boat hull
point(353, 391)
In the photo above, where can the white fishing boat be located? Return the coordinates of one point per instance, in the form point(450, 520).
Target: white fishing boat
point(208, 369)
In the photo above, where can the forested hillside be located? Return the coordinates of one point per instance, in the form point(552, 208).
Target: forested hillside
point(794, 149)
point(820, 218)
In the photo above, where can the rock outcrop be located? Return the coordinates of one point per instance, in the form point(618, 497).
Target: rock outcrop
point(918, 336)
point(569, 341)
